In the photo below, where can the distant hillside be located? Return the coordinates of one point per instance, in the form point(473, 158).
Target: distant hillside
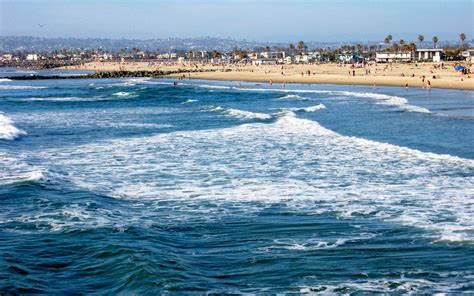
point(27, 43)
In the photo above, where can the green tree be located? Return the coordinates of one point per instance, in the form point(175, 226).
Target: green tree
point(420, 39)
point(292, 49)
point(462, 37)
point(435, 41)
point(300, 46)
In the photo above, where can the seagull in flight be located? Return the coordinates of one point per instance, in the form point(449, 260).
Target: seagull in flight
point(41, 25)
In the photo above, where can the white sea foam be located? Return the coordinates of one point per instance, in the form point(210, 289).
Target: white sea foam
point(123, 94)
point(190, 101)
point(13, 170)
point(7, 130)
point(308, 109)
point(241, 113)
point(292, 161)
point(5, 80)
point(384, 99)
point(60, 99)
point(19, 87)
point(294, 97)
point(393, 285)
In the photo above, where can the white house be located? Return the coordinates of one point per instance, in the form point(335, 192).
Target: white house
point(468, 55)
point(32, 57)
point(6, 57)
point(429, 54)
point(272, 54)
point(394, 56)
point(264, 62)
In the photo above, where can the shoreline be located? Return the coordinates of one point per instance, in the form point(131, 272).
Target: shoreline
point(440, 75)
point(395, 75)
point(338, 80)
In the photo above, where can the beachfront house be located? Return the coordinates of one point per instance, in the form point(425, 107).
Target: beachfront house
point(273, 55)
point(349, 58)
point(468, 55)
point(6, 57)
point(429, 54)
point(387, 57)
point(32, 57)
point(263, 61)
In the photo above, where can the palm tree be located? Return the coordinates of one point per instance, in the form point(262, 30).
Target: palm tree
point(462, 36)
point(402, 44)
point(435, 41)
point(190, 54)
point(421, 38)
point(395, 47)
point(292, 49)
point(300, 46)
point(267, 48)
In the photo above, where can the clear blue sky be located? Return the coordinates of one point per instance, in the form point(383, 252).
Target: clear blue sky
point(263, 20)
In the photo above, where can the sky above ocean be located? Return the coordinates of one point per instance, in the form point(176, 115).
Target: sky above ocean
point(321, 20)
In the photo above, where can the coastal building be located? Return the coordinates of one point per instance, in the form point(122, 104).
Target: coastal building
point(167, 56)
point(6, 57)
point(32, 57)
point(349, 58)
point(387, 57)
point(273, 54)
point(263, 61)
point(468, 55)
point(429, 54)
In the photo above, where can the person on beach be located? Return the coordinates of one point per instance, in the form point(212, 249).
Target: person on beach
point(428, 85)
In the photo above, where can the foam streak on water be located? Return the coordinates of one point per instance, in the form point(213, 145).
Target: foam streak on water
point(347, 176)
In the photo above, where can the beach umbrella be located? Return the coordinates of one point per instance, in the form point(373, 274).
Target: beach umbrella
point(459, 67)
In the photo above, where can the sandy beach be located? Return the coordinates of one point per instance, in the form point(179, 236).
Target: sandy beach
point(380, 74)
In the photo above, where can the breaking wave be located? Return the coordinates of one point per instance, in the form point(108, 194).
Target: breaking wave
point(15, 171)
point(7, 130)
point(123, 94)
point(241, 113)
point(308, 109)
point(19, 87)
point(294, 97)
point(383, 99)
point(293, 161)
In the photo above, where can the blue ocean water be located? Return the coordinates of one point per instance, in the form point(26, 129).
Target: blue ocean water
point(139, 186)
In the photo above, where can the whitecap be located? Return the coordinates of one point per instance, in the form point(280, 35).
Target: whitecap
point(22, 87)
point(383, 99)
point(15, 170)
point(7, 130)
point(294, 97)
point(123, 94)
point(307, 109)
point(5, 80)
point(190, 101)
point(241, 113)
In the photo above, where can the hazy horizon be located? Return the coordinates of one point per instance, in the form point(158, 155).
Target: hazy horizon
point(315, 21)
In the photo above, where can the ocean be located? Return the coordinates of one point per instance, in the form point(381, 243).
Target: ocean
point(139, 186)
